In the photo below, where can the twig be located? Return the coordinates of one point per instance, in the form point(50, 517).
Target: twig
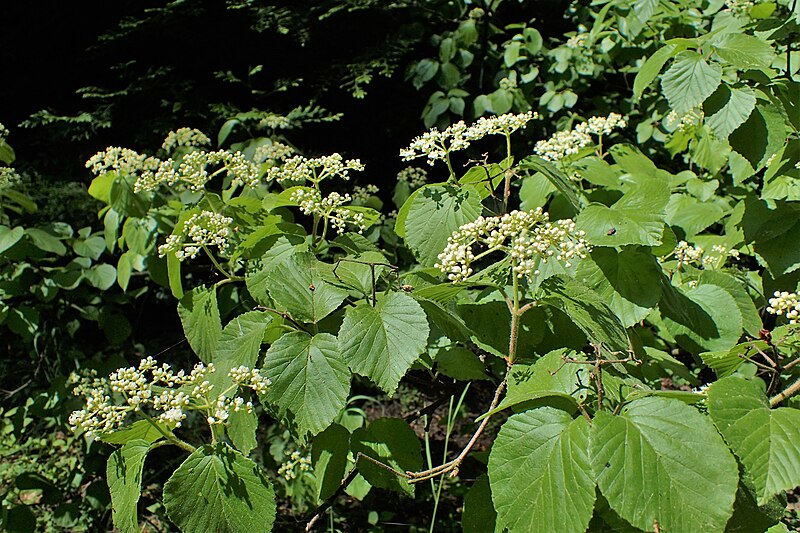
point(283, 314)
point(324, 506)
point(790, 391)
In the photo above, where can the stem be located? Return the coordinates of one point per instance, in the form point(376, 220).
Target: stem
point(216, 263)
point(169, 436)
point(507, 184)
point(283, 314)
point(790, 391)
point(515, 315)
point(450, 166)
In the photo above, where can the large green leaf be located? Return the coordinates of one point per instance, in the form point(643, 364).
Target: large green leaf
point(124, 477)
point(9, 237)
point(782, 252)
point(702, 318)
point(629, 281)
point(139, 430)
point(218, 489)
point(489, 326)
point(728, 108)
point(767, 441)
point(259, 270)
point(651, 69)
point(382, 342)
point(745, 51)
point(662, 461)
point(435, 213)
point(692, 215)
point(201, 323)
point(557, 178)
point(392, 442)
point(298, 285)
point(479, 515)
point(239, 344)
point(636, 218)
point(761, 135)
point(241, 429)
point(309, 378)
point(540, 474)
point(689, 81)
point(329, 452)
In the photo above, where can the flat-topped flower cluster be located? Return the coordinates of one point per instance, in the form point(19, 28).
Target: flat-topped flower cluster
point(330, 208)
point(167, 395)
point(203, 229)
point(435, 144)
point(785, 303)
point(528, 237)
point(687, 254)
point(565, 143)
point(299, 168)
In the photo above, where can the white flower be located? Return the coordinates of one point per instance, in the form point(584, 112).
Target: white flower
point(274, 151)
point(184, 137)
point(299, 168)
point(785, 303)
point(121, 160)
point(201, 229)
point(578, 41)
point(566, 143)
point(330, 208)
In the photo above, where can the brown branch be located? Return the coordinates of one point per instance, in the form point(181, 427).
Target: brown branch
point(790, 391)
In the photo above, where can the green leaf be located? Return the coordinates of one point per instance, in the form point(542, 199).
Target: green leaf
point(489, 326)
point(45, 241)
point(174, 276)
point(751, 321)
point(748, 515)
point(702, 318)
point(139, 430)
point(93, 247)
point(728, 108)
point(309, 378)
point(557, 178)
point(689, 81)
point(651, 69)
point(767, 441)
point(9, 237)
point(218, 489)
point(636, 218)
point(745, 51)
point(460, 363)
point(201, 323)
point(298, 286)
point(329, 452)
point(7, 155)
point(241, 429)
point(540, 474)
point(382, 342)
point(100, 188)
point(124, 477)
point(392, 442)
point(354, 271)
point(238, 345)
point(101, 276)
point(761, 135)
point(629, 281)
point(692, 215)
point(588, 311)
point(479, 515)
point(259, 270)
point(782, 252)
point(485, 178)
point(662, 461)
point(435, 214)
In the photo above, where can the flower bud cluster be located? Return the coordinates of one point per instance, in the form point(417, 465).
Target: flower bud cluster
point(3, 132)
point(299, 168)
point(570, 142)
point(579, 40)
point(187, 137)
point(414, 176)
point(785, 303)
point(686, 254)
point(362, 194)
point(167, 395)
point(8, 178)
point(192, 173)
point(296, 463)
point(275, 151)
point(682, 122)
point(122, 161)
point(201, 229)
point(528, 237)
point(435, 144)
point(330, 208)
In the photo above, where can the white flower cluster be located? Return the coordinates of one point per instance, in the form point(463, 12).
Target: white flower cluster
point(184, 137)
point(362, 194)
point(414, 176)
point(297, 463)
point(435, 144)
point(299, 168)
point(682, 122)
point(191, 171)
point(686, 254)
point(121, 160)
point(784, 302)
point(8, 178)
point(578, 41)
point(740, 7)
point(3, 132)
point(528, 237)
point(201, 229)
point(565, 143)
point(167, 394)
point(275, 151)
point(330, 208)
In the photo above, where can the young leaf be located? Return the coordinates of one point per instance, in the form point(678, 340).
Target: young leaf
point(540, 474)
point(382, 342)
point(139, 430)
point(297, 285)
point(767, 441)
point(392, 442)
point(662, 461)
point(309, 378)
point(124, 477)
point(218, 489)
point(201, 323)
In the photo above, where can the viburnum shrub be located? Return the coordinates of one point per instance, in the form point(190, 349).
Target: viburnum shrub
point(638, 324)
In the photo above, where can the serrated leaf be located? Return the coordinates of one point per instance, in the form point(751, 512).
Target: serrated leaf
point(298, 285)
point(540, 474)
point(629, 281)
point(309, 378)
point(761, 135)
point(201, 323)
point(139, 430)
point(435, 214)
point(689, 81)
point(692, 215)
point(745, 51)
point(728, 108)
point(218, 489)
point(241, 429)
point(767, 441)
point(259, 271)
point(651, 69)
point(382, 342)
point(392, 442)
point(329, 455)
point(558, 179)
point(662, 461)
point(702, 318)
point(238, 345)
point(751, 321)
point(124, 477)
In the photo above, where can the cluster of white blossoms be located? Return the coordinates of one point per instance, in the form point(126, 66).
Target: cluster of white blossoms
point(8, 178)
point(206, 228)
point(362, 194)
point(184, 137)
point(166, 394)
point(578, 41)
point(528, 237)
point(299, 168)
point(296, 463)
point(275, 151)
point(740, 7)
point(687, 254)
point(331, 208)
point(3, 132)
point(435, 144)
point(414, 176)
point(785, 303)
point(565, 143)
point(191, 171)
point(682, 122)
point(122, 161)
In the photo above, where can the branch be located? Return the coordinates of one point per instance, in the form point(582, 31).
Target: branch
point(790, 391)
